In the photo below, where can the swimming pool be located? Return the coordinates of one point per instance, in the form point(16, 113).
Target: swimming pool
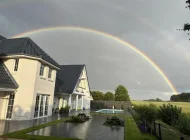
point(110, 111)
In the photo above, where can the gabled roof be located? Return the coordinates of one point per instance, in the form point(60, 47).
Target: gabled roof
point(6, 80)
point(67, 78)
point(24, 46)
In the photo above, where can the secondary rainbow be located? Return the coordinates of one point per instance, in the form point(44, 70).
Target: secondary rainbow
point(109, 36)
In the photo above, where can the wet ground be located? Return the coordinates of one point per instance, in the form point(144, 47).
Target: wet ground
point(90, 130)
point(7, 126)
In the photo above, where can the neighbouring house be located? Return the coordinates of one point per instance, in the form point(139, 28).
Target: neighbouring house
point(27, 80)
point(72, 88)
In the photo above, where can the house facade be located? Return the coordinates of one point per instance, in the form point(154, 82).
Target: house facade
point(27, 80)
point(72, 88)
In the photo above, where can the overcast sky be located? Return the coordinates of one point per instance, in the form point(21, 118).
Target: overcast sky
point(149, 25)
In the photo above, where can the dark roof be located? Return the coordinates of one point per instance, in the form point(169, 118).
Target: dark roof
point(25, 46)
point(67, 78)
point(6, 80)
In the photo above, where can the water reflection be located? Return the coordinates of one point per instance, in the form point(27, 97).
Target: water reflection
point(92, 129)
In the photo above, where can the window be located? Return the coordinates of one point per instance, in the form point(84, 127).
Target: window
point(41, 107)
point(46, 105)
point(42, 70)
point(36, 106)
point(16, 65)
point(10, 106)
point(50, 73)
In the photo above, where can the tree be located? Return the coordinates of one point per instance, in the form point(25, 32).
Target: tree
point(186, 26)
point(175, 98)
point(121, 94)
point(147, 112)
point(97, 95)
point(109, 96)
point(170, 114)
point(158, 100)
point(183, 97)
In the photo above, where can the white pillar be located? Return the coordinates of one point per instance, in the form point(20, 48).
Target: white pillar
point(60, 102)
point(81, 102)
point(69, 103)
point(76, 103)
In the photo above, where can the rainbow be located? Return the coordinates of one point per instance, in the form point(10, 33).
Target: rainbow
point(28, 33)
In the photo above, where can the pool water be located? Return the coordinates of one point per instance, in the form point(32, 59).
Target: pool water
point(110, 111)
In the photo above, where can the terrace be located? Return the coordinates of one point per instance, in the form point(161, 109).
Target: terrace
point(55, 127)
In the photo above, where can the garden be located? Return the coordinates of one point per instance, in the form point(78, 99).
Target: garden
point(166, 122)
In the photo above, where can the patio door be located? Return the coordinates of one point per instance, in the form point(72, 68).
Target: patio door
point(41, 106)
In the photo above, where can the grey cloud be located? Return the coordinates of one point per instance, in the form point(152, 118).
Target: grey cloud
point(148, 25)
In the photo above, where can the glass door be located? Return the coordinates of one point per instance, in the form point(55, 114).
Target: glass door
point(41, 106)
point(10, 106)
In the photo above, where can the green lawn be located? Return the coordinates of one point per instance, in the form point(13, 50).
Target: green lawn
point(132, 132)
point(184, 105)
point(22, 134)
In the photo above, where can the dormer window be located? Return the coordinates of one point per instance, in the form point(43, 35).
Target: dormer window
point(50, 73)
point(42, 70)
point(16, 64)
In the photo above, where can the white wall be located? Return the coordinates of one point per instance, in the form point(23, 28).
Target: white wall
point(84, 86)
point(30, 83)
point(46, 86)
point(4, 98)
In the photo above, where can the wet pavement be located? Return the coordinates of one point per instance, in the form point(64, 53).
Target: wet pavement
point(90, 130)
point(7, 126)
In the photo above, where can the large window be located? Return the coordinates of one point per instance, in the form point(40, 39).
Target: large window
point(16, 64)
point(10, 106)
point(41, 107)
point(50, 73)
point(42, 70)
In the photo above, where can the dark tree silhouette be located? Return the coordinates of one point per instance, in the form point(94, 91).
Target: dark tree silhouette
point(186, 26)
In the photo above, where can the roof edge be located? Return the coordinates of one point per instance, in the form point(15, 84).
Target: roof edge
point(13, 80)
point(22, 55)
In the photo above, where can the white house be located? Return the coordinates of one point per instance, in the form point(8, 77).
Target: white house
point(27, 81)
point(72, 88)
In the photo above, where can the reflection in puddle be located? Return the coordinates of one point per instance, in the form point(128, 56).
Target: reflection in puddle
point(90, 130)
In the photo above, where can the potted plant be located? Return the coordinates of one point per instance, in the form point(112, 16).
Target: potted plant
point(64, 109)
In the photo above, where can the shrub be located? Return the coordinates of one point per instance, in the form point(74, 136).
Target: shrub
point(183, 124)
point(76, 119)
point(147, 112)
point(64, 109)
point(114, 121)
point(170, 114)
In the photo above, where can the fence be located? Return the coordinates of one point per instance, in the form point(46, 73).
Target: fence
point(98, 104)
point(161, 131)
point(165, 132)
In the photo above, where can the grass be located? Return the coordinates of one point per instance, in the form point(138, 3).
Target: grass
point(22, 134)
point(184, 105)
point(132, 131)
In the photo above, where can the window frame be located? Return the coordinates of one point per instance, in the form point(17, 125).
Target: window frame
point(50, 73)
point(41, 106)
point(16, 64)
point(42, 73)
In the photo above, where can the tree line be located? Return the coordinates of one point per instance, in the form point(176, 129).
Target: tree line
point(183, 97)
point(121, 94)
